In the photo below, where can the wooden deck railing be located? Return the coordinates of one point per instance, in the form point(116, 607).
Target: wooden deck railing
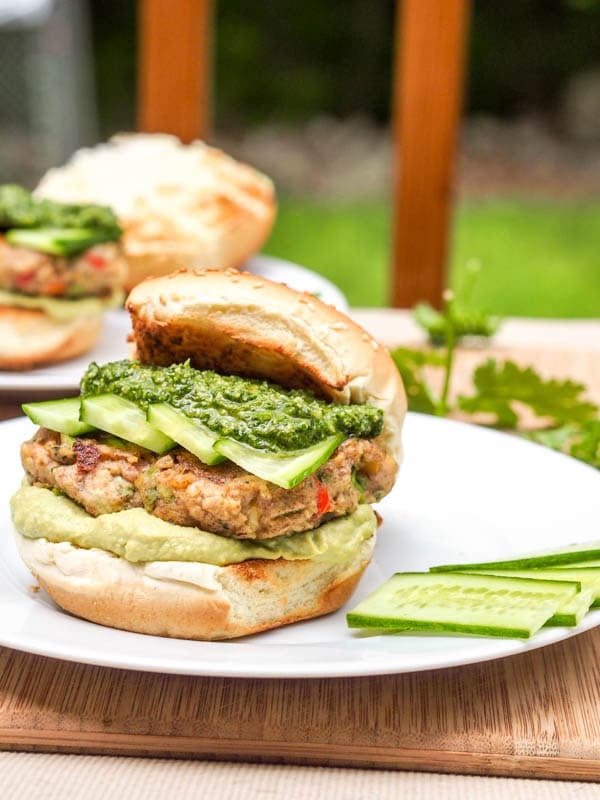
point(174, 95)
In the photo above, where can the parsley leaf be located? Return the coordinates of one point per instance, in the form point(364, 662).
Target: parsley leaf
point(556, 438)
point(580, 441)
point(586, 443)
point(410, 364)
point(499, 386)
point(465, 322)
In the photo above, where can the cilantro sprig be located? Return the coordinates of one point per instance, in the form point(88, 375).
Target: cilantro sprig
point(500, 386)
point(580, 441)
point(569, 422)
point(411, 365)
point(459, 318)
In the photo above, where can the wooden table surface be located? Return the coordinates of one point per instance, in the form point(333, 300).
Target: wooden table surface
point(534, 714)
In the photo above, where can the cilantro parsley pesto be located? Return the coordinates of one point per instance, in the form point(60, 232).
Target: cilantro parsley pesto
point(59, 229)
point(19, 209)
point(256, 412)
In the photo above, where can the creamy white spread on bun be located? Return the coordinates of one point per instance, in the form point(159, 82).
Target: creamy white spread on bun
point(284, 420)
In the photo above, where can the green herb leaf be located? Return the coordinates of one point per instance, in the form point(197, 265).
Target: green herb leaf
point(410, 364)
point(586, 443)
point(465, 322)
point(499, 386)
point(580, 441)
point(555, 438)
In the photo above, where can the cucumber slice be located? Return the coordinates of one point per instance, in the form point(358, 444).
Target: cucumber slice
point(462, 603)
point(570, 614)
point(58, 241)
point(574, 611)
point(186, 431)
point(580, 554)
point(286, 470)
point(588, 566)
point(124, 419)
point(592, 564)
point(58, 415)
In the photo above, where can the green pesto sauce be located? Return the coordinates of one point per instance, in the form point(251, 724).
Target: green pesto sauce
point(139, 537)
point(19, 209)
point(256, 412)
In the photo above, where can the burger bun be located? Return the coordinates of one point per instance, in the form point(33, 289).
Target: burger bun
point(180, 206)
point(236, 323)
point(190, 600)
point(31, 338)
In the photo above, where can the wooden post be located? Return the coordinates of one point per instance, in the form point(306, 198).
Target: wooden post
point(174, 67)
point(428, 87)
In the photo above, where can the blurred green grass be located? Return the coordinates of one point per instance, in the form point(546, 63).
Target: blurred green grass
point(538, 258)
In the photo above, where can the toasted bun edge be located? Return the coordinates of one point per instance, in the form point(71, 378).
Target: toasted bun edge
point(225, 602)
point(30, 338)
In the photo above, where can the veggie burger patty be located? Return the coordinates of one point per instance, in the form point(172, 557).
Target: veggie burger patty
point(96, 272)
point(104, 476)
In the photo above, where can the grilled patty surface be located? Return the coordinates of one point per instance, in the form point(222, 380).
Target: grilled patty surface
point(96, 272)
point(104, 476)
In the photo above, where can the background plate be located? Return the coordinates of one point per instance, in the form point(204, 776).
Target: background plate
point(463, 494)
point(112, 345)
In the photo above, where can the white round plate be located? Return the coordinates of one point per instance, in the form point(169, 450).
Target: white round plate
point(463, 494)
point(112, 344)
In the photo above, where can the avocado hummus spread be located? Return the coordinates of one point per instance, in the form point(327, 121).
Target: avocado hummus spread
point(256, 412)
point(139, 537)
point(60, 309)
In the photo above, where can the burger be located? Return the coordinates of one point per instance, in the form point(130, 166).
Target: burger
point(180, 205)
point(220, 483)
point(61, 266)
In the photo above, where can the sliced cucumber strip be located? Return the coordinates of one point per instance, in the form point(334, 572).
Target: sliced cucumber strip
point(186, 431)
point(588, 566)
point(462, 603)
point(58, 415)
point(580, 554)
point(58, 241)
point(589, 578)
point(570, 613)
point(286, 470)
point(124, 419)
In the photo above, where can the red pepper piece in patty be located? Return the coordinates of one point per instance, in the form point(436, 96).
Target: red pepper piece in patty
point(96, 261)
point(23, 279)
point(323, 500)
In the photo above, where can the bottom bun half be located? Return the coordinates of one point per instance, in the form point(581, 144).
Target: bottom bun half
point(30, 338)
point(189, 600)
